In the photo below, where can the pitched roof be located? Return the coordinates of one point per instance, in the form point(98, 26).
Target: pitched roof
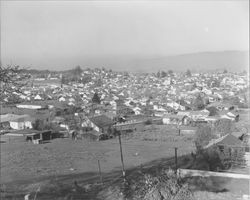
point(101, 121)
point(14, 118)
point(226, 140)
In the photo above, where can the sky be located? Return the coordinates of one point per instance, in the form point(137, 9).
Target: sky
point(57, 34)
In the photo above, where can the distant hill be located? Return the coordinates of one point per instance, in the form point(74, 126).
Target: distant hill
point(204, 61)
point(235, 61)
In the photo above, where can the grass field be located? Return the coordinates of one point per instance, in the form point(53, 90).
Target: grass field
point(22, 160)
point(53, 167)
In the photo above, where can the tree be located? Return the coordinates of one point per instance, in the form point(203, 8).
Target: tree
point(64, 80)
point(163, 74)
point(96, 99)
point(38, 125)
point(12, 79)
point(170, 72)
point(158, 74)
point(188, 73)
point(199, 103)
point(203, 136)
point(225, 71)
point(212, 111)
point(210, 159)
point(76, 73)
point(224, 126)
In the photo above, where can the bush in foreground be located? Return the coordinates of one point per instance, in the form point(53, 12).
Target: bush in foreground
point(164, 186)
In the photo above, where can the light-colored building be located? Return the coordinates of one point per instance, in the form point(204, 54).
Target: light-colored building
point(16, 122)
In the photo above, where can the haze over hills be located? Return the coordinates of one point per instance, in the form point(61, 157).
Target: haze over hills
point(235, 61)
point(204, 61)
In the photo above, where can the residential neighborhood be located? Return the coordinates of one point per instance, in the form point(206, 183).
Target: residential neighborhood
point(175, 99)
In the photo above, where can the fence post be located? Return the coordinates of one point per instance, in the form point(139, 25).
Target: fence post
point(120, 143)
point(100, 172)
point(176, 168)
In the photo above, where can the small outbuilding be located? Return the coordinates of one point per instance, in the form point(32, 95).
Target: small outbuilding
point(38, 137)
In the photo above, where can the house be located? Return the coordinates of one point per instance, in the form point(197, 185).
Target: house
point(34, 136)
point(175, 119)
point(231, 115)
point(199, 115)
point(211, 119)
point(245, 138)
point(222, 106)
point(132, 123)
point(230, 147)
point(37, 97)
point(58, 120)
point(175, 105)
point(100, 123)
point(137, 110)
point(16, 122)
point(61, 99)
point(127, 126)
point(124, 110)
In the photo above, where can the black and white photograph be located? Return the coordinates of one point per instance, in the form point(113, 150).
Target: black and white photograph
point(124, 100)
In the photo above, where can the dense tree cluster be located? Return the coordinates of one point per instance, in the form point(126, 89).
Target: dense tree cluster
point(12, 79)
point(75, 75)
point(163, 74)
point(188, 73)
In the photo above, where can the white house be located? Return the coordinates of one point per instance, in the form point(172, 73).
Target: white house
point(17, 122)
point(175, 105)
point(38, 97)
point(137, 110)
point(61, 99)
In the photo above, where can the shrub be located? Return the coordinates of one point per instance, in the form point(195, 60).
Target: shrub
point(203, 136)
point(212, 111)
point(211, 159)
point(148, 122)
point(164, 186)
point(224, 126)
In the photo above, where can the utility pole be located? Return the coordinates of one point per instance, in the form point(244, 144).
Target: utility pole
point(179, 130)
point(175, 151)
point(100, 172)
point(120, 143)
